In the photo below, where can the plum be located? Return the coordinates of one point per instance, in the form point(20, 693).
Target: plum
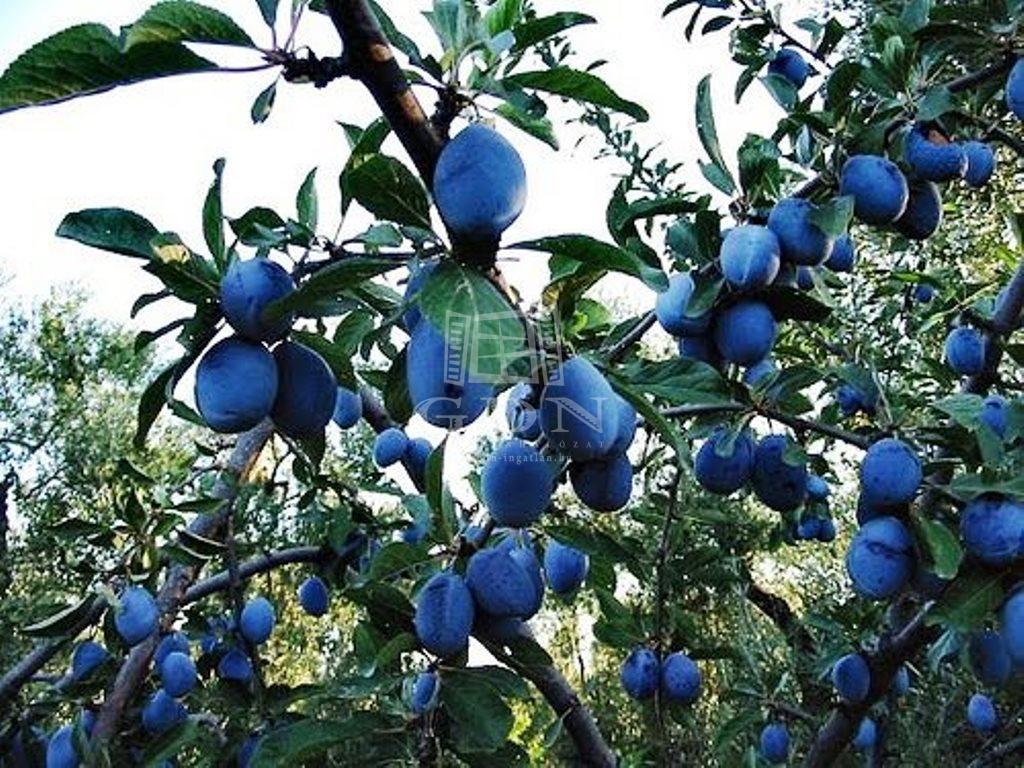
point(890, 473)
point(516, 484)
point(566, 568)
point(641, 673)
point(992, 527)
point(60, 751)
point(759, 371)
point(817, 488)
point(965, 351)
point(878, 187)
point(775, 744)
point(1011, 618)
point(86, 659)
point(924, 293)
point(442, 388)
point(236, 384)
point(750, 257)
point(994, 413)
point(805, 278)
point(501, 584)
point(479, 185)
point(789, 64)
point(700, 348)
point(236, 666)
point(934, 157)
point(418, 274)
point(247, 289)
point(981, 713)
point(306, 391)
point(348, 408)
point(137, 616)
point(627, 427)
point(803, 243)
point(778, 483)
point(672, 305)
point(989, 658)
point(389, 447)
point(417, 453)
point(827, 530)
point(901, 681)
point(425, 692)
point(314, 597)
point(257, 620)
point(162, 712)
point(444, 614)
point(521, 412)
point(923, 215)
point(745, 332)
point(844, 255)
point(867, 735)
point(604, 485)
point(721, 467)
point(1015, 89)
point(178, 674)
point(881, 558)
point(579, 413)
point(809, 528)
point(175, 641)
point(981, 163)
point(851, 678)
point(680, 679)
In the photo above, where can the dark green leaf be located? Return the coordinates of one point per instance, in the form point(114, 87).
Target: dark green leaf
point(330, 281)
point(213, 218)
point(389, 190)
point(62, 621)
point(264, 104)
point(969, 602)
point(942, 546)
point(111, 229)
point(268, 9)
point(834, 217)
point(594, 254)
point(705, 114)
point(299, 742)
point(180, 21)
point(306, 201)
point(365, 144)
point(580, 86)
point(537, 30)
point(538, 127)
point(481, 721)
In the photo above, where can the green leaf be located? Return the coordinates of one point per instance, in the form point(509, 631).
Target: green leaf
point(537, 30)
point(252, 225)
point(152, 401)
point(705, 114)
point(460, 299)
point(936, 102)
point(213, 218)
point(665, 428)
point(268, 9)
point(591, 253)
point(969, 601)
point(111, 229)
point(365, 144)
point(300, 742)
point(834, 217)
point(87, 59)
point(306, 201)
point(480, 719)
point(679, 381)
point(538, 127)
point(170, 744)
point(264, 104)
point(328, 282)
point(782, 90)
point(579, 86)
point(62, 621)
point(180, 21)
point(942, 546)
point(969, 486)
point(502, 16)
point(389, 190)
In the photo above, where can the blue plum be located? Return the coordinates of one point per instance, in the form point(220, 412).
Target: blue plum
point(778, 483)
point(803, 243)
point(425, 692)
point(257, 620)
point(175, 641)
point(444, 614)
point(701, 348)
point(521, 412)
point(817, 488)
point(389, 447)
point(805, 278)
point(60, 751)
point(566, 568)
point(924, 293)
point(1011, 626)
point(981, 163)
point(418, 274)
point(306, 391)
point(1015, 89)
point(890, 473)
point(789, 64)
point(479, 184)
point(178, 674)
point(851, 678)
point(934, 157)
point(992, 527)
point(604, 485)
point(671, 308)
point(723, 468)
point(775, 744)
point(579, 413)
point(417, 453)
point(981, 713)
point(989, 658)
point(844, 255)
point(137, 617)
point(965, 351)
point(745, 332)
point(923, 215)
point(852, 400)
point(627, 427)
point(236, 666)
point(246, 290)
point(881, 558)
point(502, 585)
point(523, 553)
point(236, 384)
point(759, 372)
point(867, 735)
point(162, 712)
point(901, 681)
point(878, 187)
point(994, 412)
point(750, 257)
point(348, 408)
point(314, 597)
point(827, 530)
point(88, 656)
point(809, 528)
point(516, 484)
point(680, 679)
point(641, 673)
point(442, 388)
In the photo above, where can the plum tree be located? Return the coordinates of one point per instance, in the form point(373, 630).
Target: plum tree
point(236, 385)
point(774, 746)
point(981, 713)
point(851, 678)
point(890, 474)
point(516, 484)
point(444, 614)
point(965, 351)
point(479, 184)
point(314, 597)
point(878, 187)
point(88, 656)
point(425, 692)
point(989, 658)
point(565, 567)
point(348, 408)
point(788, 63)
point(306, 391)
point(923, 215)
point(880, 560)
point(162, 712)
point(444, 400)
point(604, 485)
point(992, 527)
point(641, 673)
point(803, 243)
point(178, 674)
point(750, 258)
point(778, 479)
point(745, 332)
point(579, 414)
point(246, 290)
point(257, 620)
point(137, 615)
point(680, 679)
point(725, 461)
point(389, 447)
point(932, 156)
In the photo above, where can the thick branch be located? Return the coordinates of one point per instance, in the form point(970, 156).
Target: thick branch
point(997, 753)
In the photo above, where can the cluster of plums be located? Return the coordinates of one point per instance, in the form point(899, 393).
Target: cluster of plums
point(676, 676)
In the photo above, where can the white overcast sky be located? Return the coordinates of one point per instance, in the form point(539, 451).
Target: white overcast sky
point(149, 147)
